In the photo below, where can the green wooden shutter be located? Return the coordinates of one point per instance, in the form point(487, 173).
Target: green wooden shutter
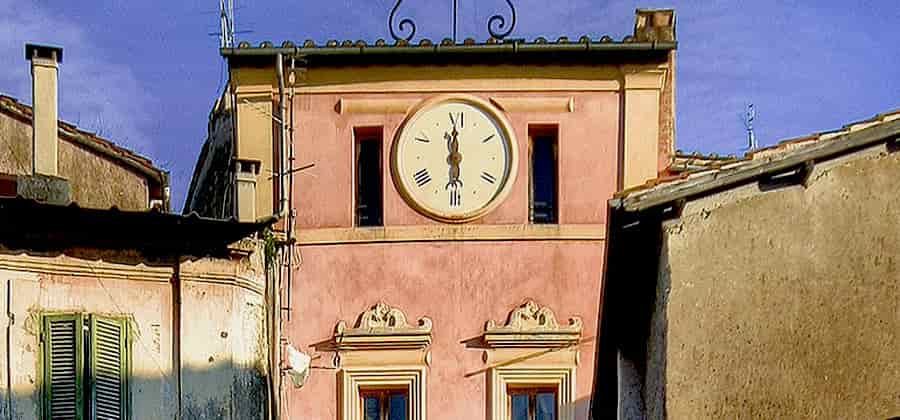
point(109, 368)
point(63, 391)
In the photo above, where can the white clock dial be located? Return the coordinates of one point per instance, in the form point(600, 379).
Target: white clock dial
point(454, 158)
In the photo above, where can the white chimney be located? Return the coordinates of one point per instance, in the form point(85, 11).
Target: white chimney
point(44, 75)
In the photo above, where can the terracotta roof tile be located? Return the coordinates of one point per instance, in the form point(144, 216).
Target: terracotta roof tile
point(90, 140)
point(312, 45)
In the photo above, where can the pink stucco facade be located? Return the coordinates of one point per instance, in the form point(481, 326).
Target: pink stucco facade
point(588, 159)
point(459, 284)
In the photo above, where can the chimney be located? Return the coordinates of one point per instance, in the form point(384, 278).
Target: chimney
point(246, 173)
point(654, 25)
point(44, 71)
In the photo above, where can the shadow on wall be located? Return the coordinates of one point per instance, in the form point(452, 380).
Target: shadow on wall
point(582, 407)
point(205, 396)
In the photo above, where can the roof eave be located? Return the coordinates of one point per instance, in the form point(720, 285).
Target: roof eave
point(508, 48)
point(703, 185)
point(42, 226)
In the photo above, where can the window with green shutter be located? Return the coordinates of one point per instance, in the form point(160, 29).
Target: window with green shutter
point(86, 359)
point(63, 367)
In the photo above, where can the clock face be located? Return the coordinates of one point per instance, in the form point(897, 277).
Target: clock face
point(454, 158)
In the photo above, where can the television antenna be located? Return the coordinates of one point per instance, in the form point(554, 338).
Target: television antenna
point(748, 117)
point(226, 23)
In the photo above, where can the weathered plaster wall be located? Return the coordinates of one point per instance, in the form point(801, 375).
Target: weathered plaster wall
point(223, 338)
point(148, 303)
point(96, 181)
point(15, 140)
point(99, 183)
point(460, 286)
point(784, 303)
point(223, 355)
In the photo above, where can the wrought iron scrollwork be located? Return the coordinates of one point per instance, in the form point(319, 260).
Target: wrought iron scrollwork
point(402, 26)
point(498, 27)
point(499, 22)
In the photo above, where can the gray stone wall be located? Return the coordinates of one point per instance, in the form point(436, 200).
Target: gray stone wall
point(210, 194)
point(783, 301)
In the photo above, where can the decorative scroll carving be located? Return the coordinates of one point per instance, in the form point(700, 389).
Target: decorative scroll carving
point(531, 325)
point(383, 327)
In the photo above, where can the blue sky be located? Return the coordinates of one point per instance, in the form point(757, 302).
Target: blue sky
point(145, 73)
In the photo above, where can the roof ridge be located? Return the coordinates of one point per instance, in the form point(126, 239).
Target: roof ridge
point(86, 138)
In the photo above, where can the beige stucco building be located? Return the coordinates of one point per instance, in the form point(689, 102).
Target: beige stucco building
point(113, 309)
point(762, 287)
point(443, 210)
point(100, 173)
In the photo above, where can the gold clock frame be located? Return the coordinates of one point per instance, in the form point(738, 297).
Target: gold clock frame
point(493, 112)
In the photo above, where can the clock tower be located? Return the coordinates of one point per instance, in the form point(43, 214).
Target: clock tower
point(442, 211)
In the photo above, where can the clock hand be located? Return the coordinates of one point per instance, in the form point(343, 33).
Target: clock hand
point(453, 159)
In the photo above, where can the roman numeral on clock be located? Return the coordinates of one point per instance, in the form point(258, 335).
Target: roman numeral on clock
point(488, 178)
point(459, 120)
point(455, 198)
point(422, 177)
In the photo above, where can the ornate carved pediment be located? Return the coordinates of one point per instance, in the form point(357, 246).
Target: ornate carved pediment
point(383, 327)
point(531, 325)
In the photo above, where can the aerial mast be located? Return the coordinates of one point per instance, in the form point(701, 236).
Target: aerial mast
point(226, 23)
point(748, 118)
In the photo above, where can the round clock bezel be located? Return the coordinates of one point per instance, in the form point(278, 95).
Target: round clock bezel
point(506, 130)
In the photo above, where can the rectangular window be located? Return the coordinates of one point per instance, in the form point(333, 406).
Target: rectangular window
point(544, 174)
point(532, 404)
point(86, 367)
point(385, 404)
point(368, 177)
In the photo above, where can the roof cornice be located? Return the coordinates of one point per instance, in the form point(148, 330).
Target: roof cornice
point(361, 49)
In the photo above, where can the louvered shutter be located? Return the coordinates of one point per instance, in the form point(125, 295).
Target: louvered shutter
point(63, 391)
point(109, 368)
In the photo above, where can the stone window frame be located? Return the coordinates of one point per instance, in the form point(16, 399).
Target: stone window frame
point(562, 378)
point(532, 350)
point(355, 379)
point(382, 350)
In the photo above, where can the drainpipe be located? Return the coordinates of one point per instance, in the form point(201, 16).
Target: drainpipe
point(11, 320)
point(290, 193)
point(176, 333)
point(278, 270)
point(282, 201)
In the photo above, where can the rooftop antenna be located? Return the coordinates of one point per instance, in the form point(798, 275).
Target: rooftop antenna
point(748, 117)
point(226, 23)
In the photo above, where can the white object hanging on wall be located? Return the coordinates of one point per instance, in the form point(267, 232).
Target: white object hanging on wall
point(298, 366)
